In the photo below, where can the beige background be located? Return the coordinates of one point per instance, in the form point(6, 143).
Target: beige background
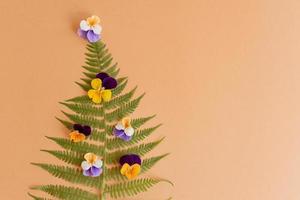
point(223, 77)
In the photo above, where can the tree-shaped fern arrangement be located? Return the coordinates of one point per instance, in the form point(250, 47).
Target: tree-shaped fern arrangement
point(104, 149)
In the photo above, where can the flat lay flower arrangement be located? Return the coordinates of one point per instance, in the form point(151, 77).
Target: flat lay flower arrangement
point(104, 148)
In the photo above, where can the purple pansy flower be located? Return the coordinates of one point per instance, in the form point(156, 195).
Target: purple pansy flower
point(123, 129)
point(90, 29)
point(84, 129)
point(92, 166)
point(107, 81)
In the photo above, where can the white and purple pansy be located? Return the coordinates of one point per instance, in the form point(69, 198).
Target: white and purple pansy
point(90, 29)
point(92, 166)
point(124, 130)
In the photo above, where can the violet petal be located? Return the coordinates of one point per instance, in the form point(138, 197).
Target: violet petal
point(86, 130)
point(82, 33)
point(126, 137)
point(102, 75)
point(95, 171)
point(77, 127)
point(119, 133)
point(92, 37)
point(130, 159)
point(87, 172)
point(109, 83)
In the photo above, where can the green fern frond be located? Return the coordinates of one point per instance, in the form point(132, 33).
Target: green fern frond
point(90, 76)
point(70, 174)
point(119, 88)
point(83, 86)
point(113, 173)
point(102, 119)
point(150, 162)
point(67, 124)
point(138, 137)
point(87, 120)
point(79, 147)
point(69, 157)
point(80, 99)
point(142, 149)
point(119, 100)
point(66, 193)
point(112, 70)
point(98, 135)
point(137, 123)
point(85, 109)
point(91, 69)
point(36, 197)
point(131, 188)
point(124, 110)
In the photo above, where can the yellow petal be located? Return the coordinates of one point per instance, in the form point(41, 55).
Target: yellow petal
point(90, 158)
point(106, 95)
point(75, 136)
point(91, 93)
point(93, 20)
point(96, 83)
point(126, 122)
point(130, 171)
point(135, 170)
point(96, 98)
point(125, 168)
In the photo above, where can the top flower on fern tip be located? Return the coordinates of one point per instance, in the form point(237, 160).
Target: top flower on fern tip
point(90, 29)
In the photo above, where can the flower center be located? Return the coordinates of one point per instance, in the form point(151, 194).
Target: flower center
point(92, 22)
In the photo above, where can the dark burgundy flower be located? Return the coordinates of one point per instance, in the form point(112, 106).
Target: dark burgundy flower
point(107, 81)
point(130, 159)
point(84, 129)
point(102, 75)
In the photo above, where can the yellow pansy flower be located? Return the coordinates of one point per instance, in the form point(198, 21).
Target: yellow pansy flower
point(98, 93)
point(75, 136)
point(130, 171)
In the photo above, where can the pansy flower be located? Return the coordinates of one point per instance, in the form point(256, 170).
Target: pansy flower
point(131, 165)
point(80, 132)
point(92, 166)
point(102, 86)
point(123, 129)
point(90, 29)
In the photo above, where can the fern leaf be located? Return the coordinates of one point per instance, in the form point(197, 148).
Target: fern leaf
point(67, 124)
point(141, 150)
point(83, 86)
point(79, 147)
point(69, 174)
point(119, 88)
point(124, 110)
point(85, 109)
point(114, 73)
point(90, 76)
point(111, 70)
point(131, 188)
point(119, 100)
point(91, 69)
point(80, 99)
point(137, 137)
point(36, 197)
point(66, 193)
point(87, 120)
point(97, 135)
point(136, 123)
point(102, 119)
point(69, 157)
point(150, 162)
point(113, 173)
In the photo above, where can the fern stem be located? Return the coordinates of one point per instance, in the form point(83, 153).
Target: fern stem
point(102, 183)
